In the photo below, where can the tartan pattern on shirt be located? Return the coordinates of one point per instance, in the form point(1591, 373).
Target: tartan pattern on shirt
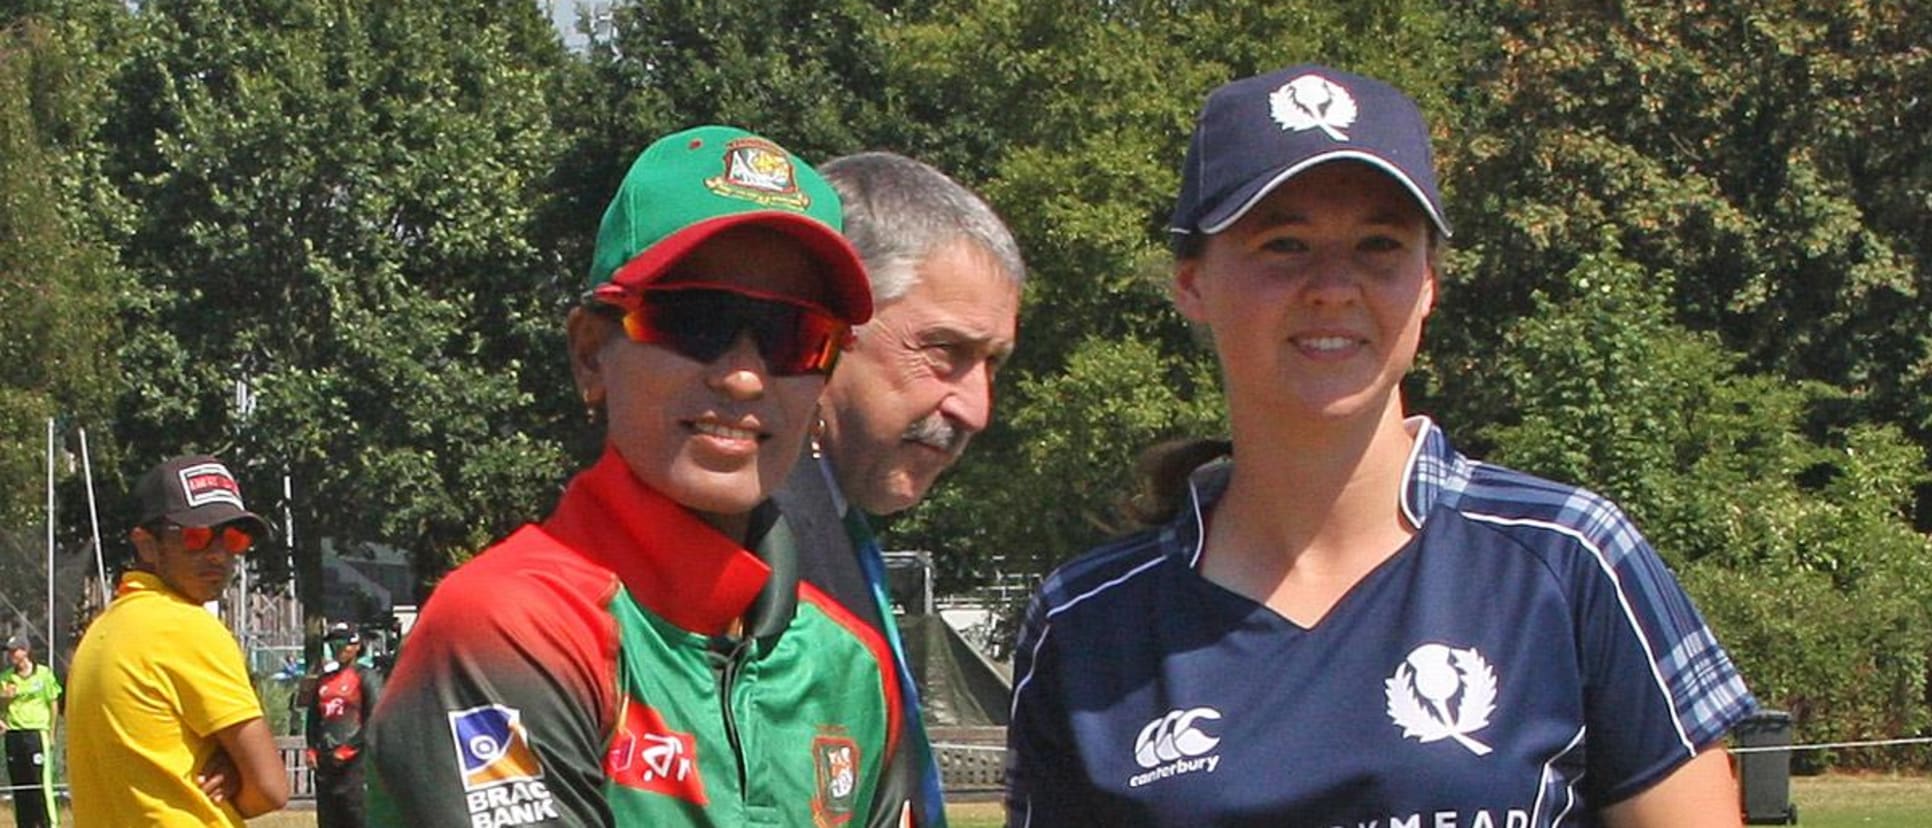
point(1706, 692)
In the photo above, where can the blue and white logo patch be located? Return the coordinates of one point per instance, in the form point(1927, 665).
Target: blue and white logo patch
point(492, 747)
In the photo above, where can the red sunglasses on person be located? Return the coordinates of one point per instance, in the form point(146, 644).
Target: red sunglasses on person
point(704, 321)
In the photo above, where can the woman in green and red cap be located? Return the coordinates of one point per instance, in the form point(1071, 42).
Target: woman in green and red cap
point(646, 655)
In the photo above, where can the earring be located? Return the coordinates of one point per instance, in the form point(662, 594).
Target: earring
point(591, 408)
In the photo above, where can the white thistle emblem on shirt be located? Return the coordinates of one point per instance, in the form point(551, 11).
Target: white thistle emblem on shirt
point(1420, 693)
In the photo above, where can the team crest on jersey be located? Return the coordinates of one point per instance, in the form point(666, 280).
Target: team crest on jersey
point(758, 170)
point(835, 760)
point(1440, 692)
point(1313, 102)
point(646, 754)
point(492, 747)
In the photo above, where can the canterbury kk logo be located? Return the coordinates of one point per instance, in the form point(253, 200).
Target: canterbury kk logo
point(1443, 693)
point(1174, 736)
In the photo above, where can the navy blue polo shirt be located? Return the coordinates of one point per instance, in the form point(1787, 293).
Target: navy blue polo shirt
point(1525, 660)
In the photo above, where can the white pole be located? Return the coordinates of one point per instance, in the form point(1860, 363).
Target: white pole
point(241, 618)
point(288, 539)
point(93, 517)
point(50, 533)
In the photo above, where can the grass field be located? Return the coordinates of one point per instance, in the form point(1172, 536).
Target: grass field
point(1831, 801)
point(1867, 801)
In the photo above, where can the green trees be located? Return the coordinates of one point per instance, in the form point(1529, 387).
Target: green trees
point(1686, 278)
point(337, 278)
point(44, 277)
point(57, 281)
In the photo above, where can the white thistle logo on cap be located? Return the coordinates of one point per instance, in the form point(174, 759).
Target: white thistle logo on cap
point(1310, 102)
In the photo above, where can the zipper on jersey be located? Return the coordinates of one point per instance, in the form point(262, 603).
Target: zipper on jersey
point(727, 680)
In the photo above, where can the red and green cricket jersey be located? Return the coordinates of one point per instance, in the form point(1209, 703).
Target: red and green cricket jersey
point(584, 672)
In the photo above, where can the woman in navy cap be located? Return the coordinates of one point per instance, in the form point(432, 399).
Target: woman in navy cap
point(1335, 618)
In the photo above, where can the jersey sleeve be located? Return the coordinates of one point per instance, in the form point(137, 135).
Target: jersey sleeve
point(1658, 686)
point(501, 700)
point(1042, 785)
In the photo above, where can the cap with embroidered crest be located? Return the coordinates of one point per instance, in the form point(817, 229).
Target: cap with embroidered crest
point(1255, 133)
point(691, 185)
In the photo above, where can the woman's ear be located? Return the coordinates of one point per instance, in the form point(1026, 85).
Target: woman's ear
point(1429, 286)
point(587, 331)
point(1187, 290)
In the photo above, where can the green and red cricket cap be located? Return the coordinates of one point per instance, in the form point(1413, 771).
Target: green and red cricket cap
point(692, 185)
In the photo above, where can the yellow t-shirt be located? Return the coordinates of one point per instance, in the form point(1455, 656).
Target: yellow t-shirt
point(154, 679)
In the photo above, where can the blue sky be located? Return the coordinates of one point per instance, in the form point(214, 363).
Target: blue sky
point(563, 13)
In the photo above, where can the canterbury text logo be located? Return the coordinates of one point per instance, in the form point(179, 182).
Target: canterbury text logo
point(1442, 693)
point(1174, 735)
point(1310, 102)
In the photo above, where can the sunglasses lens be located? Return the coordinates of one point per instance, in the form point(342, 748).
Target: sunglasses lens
point(696, 329)
point(196, 538)
point(235, 540)
point(809, 344)
point(704, 323)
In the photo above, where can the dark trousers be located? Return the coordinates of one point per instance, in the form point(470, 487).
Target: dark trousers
point(30, 771)
point(338, 793)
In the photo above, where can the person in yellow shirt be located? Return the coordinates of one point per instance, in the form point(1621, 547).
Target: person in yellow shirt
point(30, 694)
point(164, 727)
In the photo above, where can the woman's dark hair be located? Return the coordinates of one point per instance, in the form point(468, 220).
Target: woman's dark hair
point(1162, 471)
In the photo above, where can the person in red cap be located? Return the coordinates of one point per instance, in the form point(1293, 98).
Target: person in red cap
point(164, 727)
point(648, 655)
point(1333, 617)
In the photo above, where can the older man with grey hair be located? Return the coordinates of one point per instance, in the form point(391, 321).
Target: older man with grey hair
point(908, 395)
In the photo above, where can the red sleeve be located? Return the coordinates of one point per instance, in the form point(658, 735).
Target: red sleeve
point(503, 695)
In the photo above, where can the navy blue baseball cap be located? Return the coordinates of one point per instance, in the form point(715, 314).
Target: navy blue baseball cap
point(1255, 133)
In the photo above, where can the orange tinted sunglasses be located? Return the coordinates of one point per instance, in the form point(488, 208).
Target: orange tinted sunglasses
point(198, 538)
point(703, 321)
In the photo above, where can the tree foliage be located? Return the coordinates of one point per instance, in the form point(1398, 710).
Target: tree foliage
point(338, 281)
point(57, 288)
point(53, 339)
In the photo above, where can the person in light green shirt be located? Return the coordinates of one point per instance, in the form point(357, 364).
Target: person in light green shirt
point(30, 694)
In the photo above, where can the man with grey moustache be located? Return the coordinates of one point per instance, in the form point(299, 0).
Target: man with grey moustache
point(910, 392)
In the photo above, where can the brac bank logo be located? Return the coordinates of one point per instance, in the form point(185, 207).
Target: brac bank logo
point(491, 746)
point(1174, 744)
